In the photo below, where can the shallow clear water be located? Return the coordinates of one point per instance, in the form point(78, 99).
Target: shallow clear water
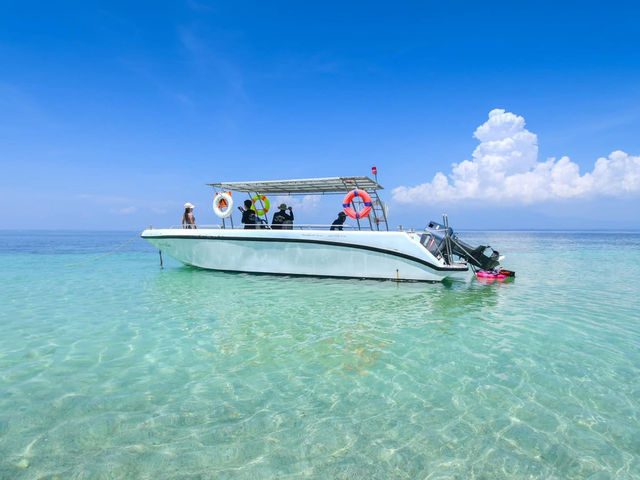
point(119, 369)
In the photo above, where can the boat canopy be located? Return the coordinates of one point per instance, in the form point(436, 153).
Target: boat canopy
point(303, 186)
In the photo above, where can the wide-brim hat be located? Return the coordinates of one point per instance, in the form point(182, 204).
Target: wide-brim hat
point(283, 206)
point(189, 205)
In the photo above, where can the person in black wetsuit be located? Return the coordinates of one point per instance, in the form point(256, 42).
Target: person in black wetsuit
point(337, 223)
point(281, 219)
point(248, 215)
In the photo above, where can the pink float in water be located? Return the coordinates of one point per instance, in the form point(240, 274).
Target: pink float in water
point(485, 274)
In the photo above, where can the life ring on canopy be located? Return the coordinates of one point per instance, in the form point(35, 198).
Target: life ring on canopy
point(220, 201)
point(366, 198)
point(265, 202)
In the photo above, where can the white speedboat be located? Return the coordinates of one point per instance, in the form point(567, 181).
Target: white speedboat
point(366, 250)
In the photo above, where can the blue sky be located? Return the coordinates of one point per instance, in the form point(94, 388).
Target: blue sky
point(113, 114)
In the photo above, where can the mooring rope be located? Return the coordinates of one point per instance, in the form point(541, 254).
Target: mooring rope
point(105, 254)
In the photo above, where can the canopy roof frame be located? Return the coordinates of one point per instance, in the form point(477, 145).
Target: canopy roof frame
point(304, 186)
point(313, 186)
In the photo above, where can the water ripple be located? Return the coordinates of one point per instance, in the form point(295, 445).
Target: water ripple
point(118, 369)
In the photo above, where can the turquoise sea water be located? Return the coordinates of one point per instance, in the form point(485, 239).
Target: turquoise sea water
point(117, 369)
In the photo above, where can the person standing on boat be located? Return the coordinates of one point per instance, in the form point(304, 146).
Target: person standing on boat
point(188, 220)
point(281, 219)
point(337, 223)
point(248, 215)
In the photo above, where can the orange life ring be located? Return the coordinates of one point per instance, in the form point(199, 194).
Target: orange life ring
point(366, 198)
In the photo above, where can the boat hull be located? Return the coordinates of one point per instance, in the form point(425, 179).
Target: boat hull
point(359, 254)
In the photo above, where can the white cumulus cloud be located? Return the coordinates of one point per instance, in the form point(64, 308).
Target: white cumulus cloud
point(505, 167)
point(123, 211)
point(307, 203)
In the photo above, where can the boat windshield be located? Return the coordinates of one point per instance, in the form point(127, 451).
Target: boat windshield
point(434, 242)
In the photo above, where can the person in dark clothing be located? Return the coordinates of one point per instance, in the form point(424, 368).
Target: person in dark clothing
point(337, 223)
point(248, 215)
point(281, 219)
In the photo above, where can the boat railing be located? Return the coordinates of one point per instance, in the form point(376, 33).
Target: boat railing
point(300, 226)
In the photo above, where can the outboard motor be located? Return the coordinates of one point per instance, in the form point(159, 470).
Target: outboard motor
point(450, 244)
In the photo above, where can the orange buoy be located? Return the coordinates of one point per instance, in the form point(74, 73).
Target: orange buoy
point(366, 198)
